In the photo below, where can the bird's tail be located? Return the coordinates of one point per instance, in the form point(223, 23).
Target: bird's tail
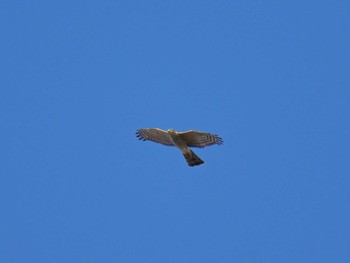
point(192, 159)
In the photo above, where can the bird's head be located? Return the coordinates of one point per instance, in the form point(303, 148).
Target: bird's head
point(171, 131)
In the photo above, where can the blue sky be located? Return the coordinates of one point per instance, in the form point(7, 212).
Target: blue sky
point(79, 77)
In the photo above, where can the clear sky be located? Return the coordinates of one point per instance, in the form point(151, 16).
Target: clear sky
point(78, 78)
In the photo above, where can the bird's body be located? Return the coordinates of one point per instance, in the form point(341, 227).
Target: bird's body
point(182, 140)
point(191, 158)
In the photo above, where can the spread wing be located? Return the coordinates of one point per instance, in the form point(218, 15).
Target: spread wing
point(155, 135)
point(200, 139)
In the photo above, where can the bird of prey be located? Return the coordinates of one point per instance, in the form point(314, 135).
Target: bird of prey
point(182, 140)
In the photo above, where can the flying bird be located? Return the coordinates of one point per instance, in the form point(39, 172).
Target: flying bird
point(182, 140)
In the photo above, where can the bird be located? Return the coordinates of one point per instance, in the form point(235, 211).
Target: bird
point(182, 140)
